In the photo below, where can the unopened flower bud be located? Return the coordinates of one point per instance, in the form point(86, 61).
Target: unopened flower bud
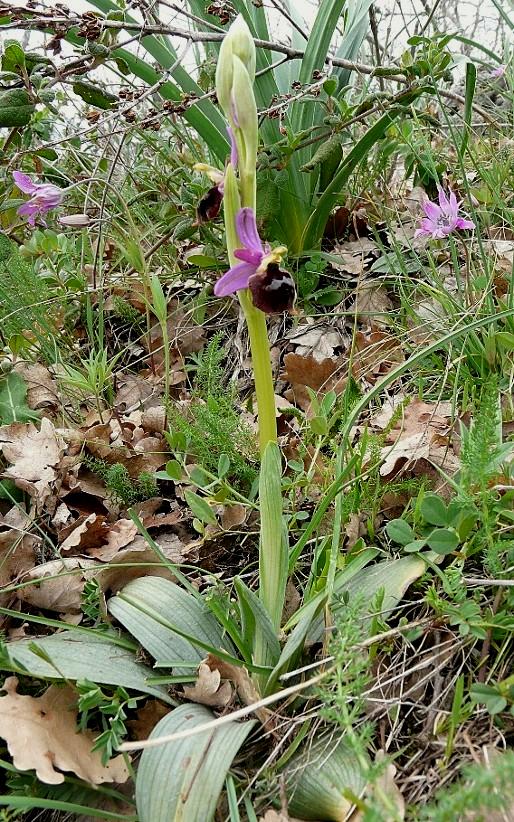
point(237, 43)
point(75, 220)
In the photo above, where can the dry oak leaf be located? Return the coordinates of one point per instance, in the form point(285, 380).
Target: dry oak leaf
point(41, 734)
point(147, 718)
point(328, 374)
point(33, 455)
point(17, 556)
point(42, 389)
point(423, 433)
point(62, 590)
point(119, 535)
point(88, 532)
point(208, 688)
point(246, 690)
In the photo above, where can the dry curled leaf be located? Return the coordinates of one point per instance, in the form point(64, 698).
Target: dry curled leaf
point(33, 455)
point(58, 584)
point(42, 389)
point(208, 688)
point(17, 556)
point(119, 536)
point(41, 734)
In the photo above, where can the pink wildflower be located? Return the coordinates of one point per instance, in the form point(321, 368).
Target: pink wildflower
point(499, 71)
point(272, 289)
point(44, 197)
point(440, 220)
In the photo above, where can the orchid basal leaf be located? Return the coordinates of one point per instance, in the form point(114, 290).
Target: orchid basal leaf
point(180, 781)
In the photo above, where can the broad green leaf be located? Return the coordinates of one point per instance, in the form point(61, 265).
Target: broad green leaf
point(257, 626)
point(327, 18)
point(320, 777)
point(354, 565)
point(400, 531)
point(176, 628)
point(200, 507)
point(434, 510)
point(13, 400)
point(490, 696)
point(443, 541)
point(13, 58)
point(76, 657)
point(393, 577)
point(16, 108)
point(314, 229)
point(294, 644)
point(181, 781)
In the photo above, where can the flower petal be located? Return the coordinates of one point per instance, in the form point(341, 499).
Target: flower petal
point(24, 182)
point(443, 200)
point(462, 223)
point(249, 256)
point(234, 280)
point(432, 210)
point(247, 229)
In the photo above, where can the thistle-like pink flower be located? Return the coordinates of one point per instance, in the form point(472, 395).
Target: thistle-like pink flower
point(272, 290)
point(44, 197)
point(442, 219)
point(499, 71)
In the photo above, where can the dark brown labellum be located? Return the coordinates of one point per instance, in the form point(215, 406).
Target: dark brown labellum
point(209, 206)
point(273, 291)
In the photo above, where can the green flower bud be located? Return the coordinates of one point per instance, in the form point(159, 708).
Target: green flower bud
point(238, 43)
point(243, 45)
point(243, 108)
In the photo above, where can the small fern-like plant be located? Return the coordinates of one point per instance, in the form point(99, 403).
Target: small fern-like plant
point(212, 425)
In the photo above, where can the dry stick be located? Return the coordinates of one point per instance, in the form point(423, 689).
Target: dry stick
point(487, 641)
point(212, 725)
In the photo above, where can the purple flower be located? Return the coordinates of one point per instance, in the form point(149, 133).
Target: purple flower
point(272, 289)
point(440, 220)
point(499, 71)
point(44, 197)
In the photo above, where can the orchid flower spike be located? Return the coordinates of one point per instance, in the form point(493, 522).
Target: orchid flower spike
point(272, 289)
point(44, 197)
point(442, 219)
point(499, 71)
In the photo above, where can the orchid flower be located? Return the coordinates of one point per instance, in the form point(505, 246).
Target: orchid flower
point(272, 289)
point(442, 219)
point(209, 205)
point(44, 197)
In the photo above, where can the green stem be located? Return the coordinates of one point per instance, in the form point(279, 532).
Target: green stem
point(263, 377)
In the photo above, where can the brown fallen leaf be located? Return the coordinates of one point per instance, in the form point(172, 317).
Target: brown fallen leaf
point(246, 690)
point(58, 584)
point(233, 515)
point(87, 532)
point(147, 718)
point(33, 455)
point(17, 556)
point(130, 563)
point(42, 389)
point(119, 536)
point(208, 688)
point(372, 303)
point(423, 433)
point(41, 734)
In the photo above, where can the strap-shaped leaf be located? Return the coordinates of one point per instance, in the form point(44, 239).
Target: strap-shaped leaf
point(73, 657)
point(180, 781)
point(320, 778)
point(173, 626)
point(393, 577)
